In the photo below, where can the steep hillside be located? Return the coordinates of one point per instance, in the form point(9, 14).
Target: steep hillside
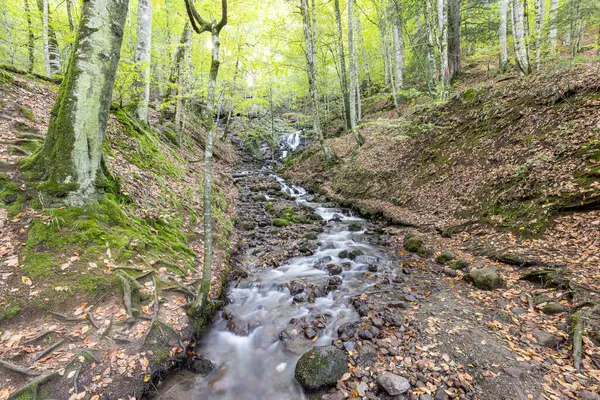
point(91, 278)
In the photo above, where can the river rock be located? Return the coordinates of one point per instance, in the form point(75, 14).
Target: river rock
point(393, 384)
point(201, 365)
point(354, 227)
point(334, 269)
point(320, 367)
point(486, 278)
point(347, 330)
point(413, 244)
point(553, 308)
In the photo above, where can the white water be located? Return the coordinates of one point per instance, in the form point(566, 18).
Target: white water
point(289, 143)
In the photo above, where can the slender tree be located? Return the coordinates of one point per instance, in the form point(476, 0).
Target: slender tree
point(540, 8)
point(142, 59)
point(353, 72)
point(69, 162)
point(311, 68)
point(519, 37)
point(503, 6)
point(51, 52)
point(398, 43)
point(553, 20)
point(442, 9)
point(8, 29)
point(30, 37)
point(200, 25)
point(454, 22)
point(343, 73)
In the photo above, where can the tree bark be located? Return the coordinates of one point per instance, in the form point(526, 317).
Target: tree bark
point(365, 59)
point(502, 36)
point(540, 8)
point(231, 96)
point(176, 75)
point(519, 39)
point(431, 64)
point(442, 9)
point(142, 59)
point(30, 37)
point(200, 26)
point(70, 16)
point(552, 33)
point(7, 28)
point(398, 43)
point(343, 73)
point(353, 72)
point(51, 52)
point(454, 21)
point(69, 162)
point(311, 68)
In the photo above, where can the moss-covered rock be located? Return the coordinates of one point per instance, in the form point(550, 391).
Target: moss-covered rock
point(280, 222)
point(486, 278)
point(459, 264)
point(414, 244)
point(320, 367)
point(553, 308)
point(444, 257)
point(354, 227)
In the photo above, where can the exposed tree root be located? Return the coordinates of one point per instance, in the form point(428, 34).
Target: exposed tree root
point(90, 318)
point(38, 337)
point(65, 317)
point(154, 312)
point(33, 386)
point(49, 350)
point(102, 332)
point(181, 288)
point(126, 284)
point(16, 368)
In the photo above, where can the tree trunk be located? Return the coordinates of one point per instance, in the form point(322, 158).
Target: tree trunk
point(353, 73)
point(502, 36)
point(343, 74)
point(51, 52)
point(540, 8)
point(431, 64)
point(521, 53)
point(69, 162)
point(311, 56)
point(398, 43)
point(552, 33)
point(442, 9)
point(30, 38)
point(454, 21)
point(7, 28)
point(231, 96)
point(176, 74)
point(70, 16)
point(365, 60)
point(142, 59)
point(357, 75)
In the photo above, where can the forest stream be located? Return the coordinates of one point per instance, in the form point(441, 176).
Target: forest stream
point(276, 314)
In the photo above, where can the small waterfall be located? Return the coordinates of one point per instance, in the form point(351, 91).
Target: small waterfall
point(289, 143)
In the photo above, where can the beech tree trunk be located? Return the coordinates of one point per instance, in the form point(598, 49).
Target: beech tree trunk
point(70, 16)
point(502, 36)
point(142, 59)
point(51, 52)
point(398, 43)
point(431, 63)
point(30, 37)
point(519, 38)
point(540, 6)
point(454, 21)
point(69, 162)
point(365, 60)
point(353, 74)
point(552, 33)
point(311, 56)
point(177, 75)
point(442, 8)
point(7, 28)
point(343, 73)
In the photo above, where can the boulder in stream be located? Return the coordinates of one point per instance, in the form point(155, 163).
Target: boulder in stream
point(320, 368)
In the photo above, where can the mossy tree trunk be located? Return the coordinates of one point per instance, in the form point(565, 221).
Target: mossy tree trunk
point(200, 26)
point(30, 37)
point(503, 8)
point(69, 162)
point(51, 52)
point(343, 74)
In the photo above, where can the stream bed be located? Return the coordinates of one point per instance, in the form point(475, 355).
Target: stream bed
point(276, 314)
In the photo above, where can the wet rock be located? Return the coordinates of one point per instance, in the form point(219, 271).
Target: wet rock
point(410, 298)
point(354, 227)
point(201, 365)
point(237, 326)
point(296, 288)
point(310, 236)
point(553, 308)
point(393, 384)
point(347, 330)
point(334, 269)
point(343, 254)
point(441, 394)
point(444, 257)
point(372, 268)
point(450, 272)
point(486, 278)
point(365, 334)
point(355, 253)
point(546, 339)
point(310, 333)
point(378, 322)
point(362, 388)
point(320, 368)
point(349, 346)
point(321, 262)
point(367, 355)
point(333, 283)
point(398, 304)
point(414, 244)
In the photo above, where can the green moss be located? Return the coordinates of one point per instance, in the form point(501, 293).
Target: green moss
point(26, 112)
point(280, 222)
point(9, 311)
point(444, 257)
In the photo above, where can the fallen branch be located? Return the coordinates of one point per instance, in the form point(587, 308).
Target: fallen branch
point(33, 386)
point(49, 350)
point(576, 334)
point(16, 368)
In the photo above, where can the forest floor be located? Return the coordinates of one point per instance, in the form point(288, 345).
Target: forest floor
point(505, 174)
point(81, 288)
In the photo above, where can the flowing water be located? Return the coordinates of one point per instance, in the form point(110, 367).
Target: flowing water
point(256, 364)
